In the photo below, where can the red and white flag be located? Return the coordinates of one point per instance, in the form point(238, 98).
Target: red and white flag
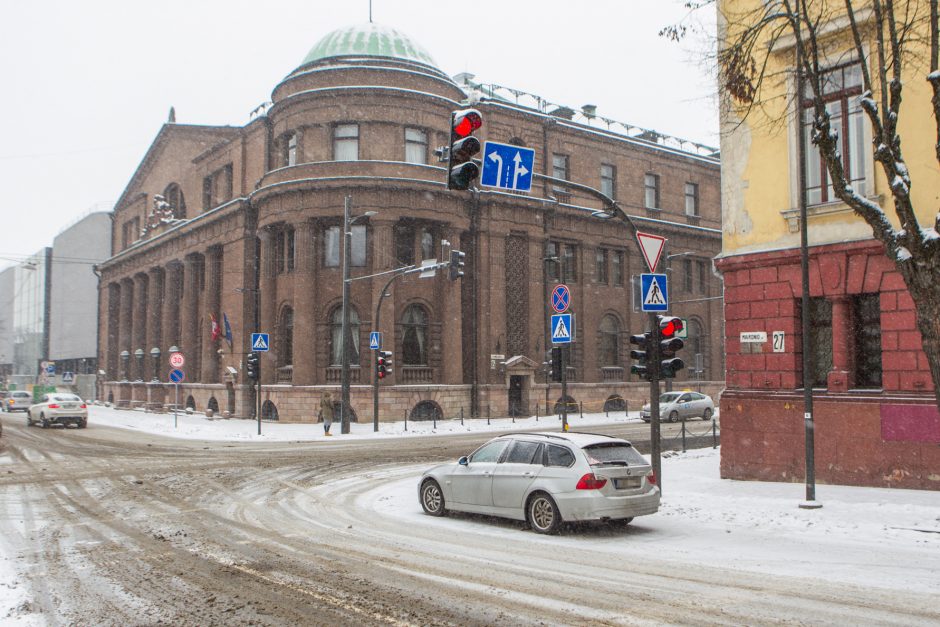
point(215, 329)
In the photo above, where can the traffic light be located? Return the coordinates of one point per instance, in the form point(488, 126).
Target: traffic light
point(669, 344)
point(642, 366)
point(383, 364)
point(461, 170)
point(253, 366)
point(556, 364)
point(456, 264)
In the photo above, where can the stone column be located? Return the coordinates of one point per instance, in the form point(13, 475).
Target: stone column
point(155, 298)
point(127, 316)
point(112, 332)
point(212, 303)
point(304, 311)
point(172, 305)
point(840, 378)
point(268, 298)
point(190, 315)
point(141, 319)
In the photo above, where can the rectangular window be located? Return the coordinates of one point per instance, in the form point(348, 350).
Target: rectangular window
point(568, 263)
point(357, 249)
point(687, 274)
point(702, 276)
point(331, 246)
point(866, 314)
point(289, 149)
point(552, 261)
point(405, 244)
point(608, 176)
point(600, 265)
point(346, 142)
point(820, 337)
point(559, 171)
point(616, 261)
point(217, 187)
point(290, 249)
point(691, 199)
point(427, 244)
point(279, 252)
point(841, 87)
point(416, 146)
point(651, 189)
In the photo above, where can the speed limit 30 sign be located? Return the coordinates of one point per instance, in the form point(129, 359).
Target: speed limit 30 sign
point(177, 360)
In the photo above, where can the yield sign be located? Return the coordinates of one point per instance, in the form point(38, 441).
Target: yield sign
point(652, 247)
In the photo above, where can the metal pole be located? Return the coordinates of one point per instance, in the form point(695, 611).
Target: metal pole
point(564, 389)
point(655, 444)
point(345, 339)
point(176, 405)
point(808, 425)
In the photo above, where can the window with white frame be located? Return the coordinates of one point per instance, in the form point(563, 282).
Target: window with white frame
point(651, 191)
point(608, 176)
point(346, 142)
point(691, 199)
point(416, 146)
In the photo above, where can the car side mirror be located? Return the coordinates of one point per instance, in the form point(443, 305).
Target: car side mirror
point(464, 461)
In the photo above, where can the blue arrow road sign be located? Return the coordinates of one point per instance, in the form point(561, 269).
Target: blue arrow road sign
point(177, 375)
point(260, 342)
point(561, 329)
point(507, 167)
point(375, 340)
point(655, 292)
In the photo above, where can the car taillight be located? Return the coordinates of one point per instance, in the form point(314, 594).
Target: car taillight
point(84, 406)
point(53, 406)
point(651, 477)
point(591, 482)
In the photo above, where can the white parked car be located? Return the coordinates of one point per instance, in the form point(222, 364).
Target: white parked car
point(676, 406)
point(545, 479)
point(58, 408)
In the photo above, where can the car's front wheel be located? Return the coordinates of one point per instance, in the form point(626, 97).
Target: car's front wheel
point(543, 514)
point(432, 499)
point(708, 414)
point(29, 419)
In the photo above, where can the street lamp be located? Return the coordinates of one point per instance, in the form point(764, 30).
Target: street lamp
point(346, 339)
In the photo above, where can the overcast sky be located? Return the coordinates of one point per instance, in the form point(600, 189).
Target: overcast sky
point(88, 84)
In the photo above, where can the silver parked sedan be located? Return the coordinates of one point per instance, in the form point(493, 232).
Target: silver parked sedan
point(59, 408)
point(676, 406)
point(545, 479)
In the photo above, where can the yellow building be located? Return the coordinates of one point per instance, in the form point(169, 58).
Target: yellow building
point(876, 420)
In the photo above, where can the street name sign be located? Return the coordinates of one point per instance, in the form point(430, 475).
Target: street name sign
point(655, 292)
point(507, 167)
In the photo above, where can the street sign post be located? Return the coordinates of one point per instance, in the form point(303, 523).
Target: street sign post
point(654, 289)
point(176, 376)
point(507, 167)
point(260, 342)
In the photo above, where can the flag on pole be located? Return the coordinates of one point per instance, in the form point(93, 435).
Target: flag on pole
point(228, 330)
point(215, 331)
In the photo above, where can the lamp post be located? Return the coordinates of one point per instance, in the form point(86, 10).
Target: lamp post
point(346, 339)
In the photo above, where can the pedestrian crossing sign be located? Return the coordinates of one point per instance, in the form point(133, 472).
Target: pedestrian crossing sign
point(562, 329)
point(655, 292)
point(260, 342)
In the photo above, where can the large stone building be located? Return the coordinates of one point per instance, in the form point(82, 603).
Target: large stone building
point(875, 416)
point(243, 225)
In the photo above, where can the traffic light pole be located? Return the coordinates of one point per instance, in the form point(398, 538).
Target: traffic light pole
point(653, 361)
point(564, 391)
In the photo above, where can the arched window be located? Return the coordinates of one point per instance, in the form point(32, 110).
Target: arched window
point(414, 343)
point(336, 337)
point(285, 336)
point(174, 196)
point(269, 411)
point(608, 350)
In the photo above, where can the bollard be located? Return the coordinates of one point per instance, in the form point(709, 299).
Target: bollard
point(683, 434)
point(461, 416)
point(434, 419)
point(536, 412)
point(714, 434)
point(487, 414)
point(581, 408)
point(406, 420)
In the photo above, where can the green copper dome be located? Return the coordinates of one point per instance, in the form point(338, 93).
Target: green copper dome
point(370, 40)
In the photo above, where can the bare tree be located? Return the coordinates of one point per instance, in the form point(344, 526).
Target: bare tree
point(891, 38)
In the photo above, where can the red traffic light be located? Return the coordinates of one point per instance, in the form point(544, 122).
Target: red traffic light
point(669, 326)
point(465, 122)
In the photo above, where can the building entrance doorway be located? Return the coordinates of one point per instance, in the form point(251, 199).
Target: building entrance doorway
point(515, 395)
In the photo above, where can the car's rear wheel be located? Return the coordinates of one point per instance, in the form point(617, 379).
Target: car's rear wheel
point(43, 421)
point(82, 424)
point(708, 414)
point(621, 522)
point(674, 416)
point(432, 499)
point(543, 514)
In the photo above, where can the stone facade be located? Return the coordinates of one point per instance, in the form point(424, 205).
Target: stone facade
point(257, 242)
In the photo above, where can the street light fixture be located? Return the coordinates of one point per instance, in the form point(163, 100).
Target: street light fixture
point(155, 354)
point(139, 358)
point(346, 339)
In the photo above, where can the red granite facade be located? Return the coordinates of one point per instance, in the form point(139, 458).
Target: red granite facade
point(864, 435)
